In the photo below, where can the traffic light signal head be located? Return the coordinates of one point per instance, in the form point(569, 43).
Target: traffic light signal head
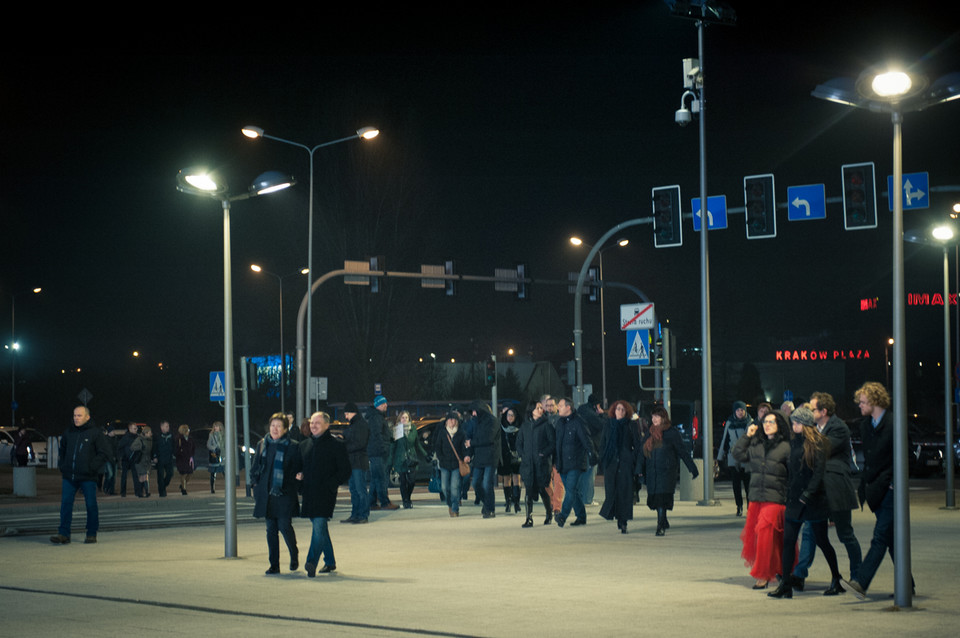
point(491, 377)
point(667, 227)
point(760, 204)
point(859, 196)
point(593, 290)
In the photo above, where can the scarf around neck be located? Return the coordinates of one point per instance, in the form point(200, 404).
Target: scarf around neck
point(276, 485)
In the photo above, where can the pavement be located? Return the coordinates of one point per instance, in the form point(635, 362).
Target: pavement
point(418, 572)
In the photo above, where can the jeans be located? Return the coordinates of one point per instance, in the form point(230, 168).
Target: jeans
point(881, 543)
point(164, 474)
point(484, 483)
point(587, 481)
point(109, 478)
point(359, 499)
point(450, 486)
point(320, 543)
point(572, 497)
point(378, 481)
point(70, 489)
point(283, 526)
point(842, 520)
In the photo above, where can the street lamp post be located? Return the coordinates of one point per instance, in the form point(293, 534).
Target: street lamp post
point(195, 182)
point(944, 236)
point(366, 133)
point(576, 241)
point(283, 360)
point(895, 92)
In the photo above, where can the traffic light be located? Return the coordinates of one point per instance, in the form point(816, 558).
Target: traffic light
point(491, 378)
point(760, 204)
point(593, 289)
point(376, 263)
point(450, 285)
point(667, 227)
point(859, 196)
point(523, 292)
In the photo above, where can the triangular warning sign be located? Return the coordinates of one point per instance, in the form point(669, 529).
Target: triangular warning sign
point(639, 349)
point(217, 389)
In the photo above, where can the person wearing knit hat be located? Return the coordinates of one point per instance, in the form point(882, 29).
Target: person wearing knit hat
point(355, 438)
point(734, 428)
point(378, 451)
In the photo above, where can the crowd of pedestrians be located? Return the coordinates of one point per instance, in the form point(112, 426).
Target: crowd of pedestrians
point(791, 470)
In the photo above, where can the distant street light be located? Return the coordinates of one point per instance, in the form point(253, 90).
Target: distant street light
point(14, 347)
point(199, 183)
point(576, 241)
point(896, 92)
point(283, 360)
point(945, 237)
point(366, 133)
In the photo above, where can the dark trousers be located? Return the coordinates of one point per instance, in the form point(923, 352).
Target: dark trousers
point(275, 527)
point(741, 480)
point(127, 467)
point(791, 532)
point(164, 475)
point(880, 544)
point(407, 483)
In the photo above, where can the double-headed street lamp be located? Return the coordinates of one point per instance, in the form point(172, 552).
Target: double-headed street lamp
point(197, 182)
point(576, 241)
point(283, 360)
point(896, 92)
point(365, 133)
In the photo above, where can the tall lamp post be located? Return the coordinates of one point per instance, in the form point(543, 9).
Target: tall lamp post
point(895, 92)
point(196, 182)
point(283, 360)
point(14, 348)
point(365, 133)
point(576, 241)
point(944, 236)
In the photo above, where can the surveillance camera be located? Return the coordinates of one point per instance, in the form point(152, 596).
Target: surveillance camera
point(683, 117)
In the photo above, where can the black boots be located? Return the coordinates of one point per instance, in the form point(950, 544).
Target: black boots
point(508, 498)
point(529, 521)
point(835, 588)
point(783, 590)
point(662, 524)
point(516, 499)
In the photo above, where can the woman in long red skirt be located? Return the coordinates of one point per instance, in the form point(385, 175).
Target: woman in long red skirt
point(766, 453)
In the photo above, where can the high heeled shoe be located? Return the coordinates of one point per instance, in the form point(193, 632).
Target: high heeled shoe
point(835, 588)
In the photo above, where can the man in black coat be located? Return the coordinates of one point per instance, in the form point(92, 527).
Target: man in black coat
point(355, 438)
point(592, 414)
point(125, 454)
point(325, 467)
point(841, 495)
point(83, 451)
point(378, 450)
point(876, 482)
point(163, 453)
point(574, 453)
point(483, 446)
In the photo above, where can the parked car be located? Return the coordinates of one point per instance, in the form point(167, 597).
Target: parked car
point(38, 446)
point(926, 441)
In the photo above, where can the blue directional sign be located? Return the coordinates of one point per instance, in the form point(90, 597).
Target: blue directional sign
point(916, 191)
point(716, 212)
point(638, 347)
point(218, 387)
point(806, 202)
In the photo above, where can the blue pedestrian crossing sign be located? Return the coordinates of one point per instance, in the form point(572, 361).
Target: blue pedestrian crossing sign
point(218, 391)
point(716, 212)
point(638, 347)
point(916, 191)
point(806, 202)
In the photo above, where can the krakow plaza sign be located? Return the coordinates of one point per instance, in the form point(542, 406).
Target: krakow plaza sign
point(822, 355)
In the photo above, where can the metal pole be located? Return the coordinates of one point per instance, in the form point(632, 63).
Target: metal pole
point(706, 355)
point(903, 588)
point(230, 409)
point(947, 385)
point(245, 384)
point(283, 359)
point(302, 414)
point(603, 338)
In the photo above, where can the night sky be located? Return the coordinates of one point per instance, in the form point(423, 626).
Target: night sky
point(503, 133)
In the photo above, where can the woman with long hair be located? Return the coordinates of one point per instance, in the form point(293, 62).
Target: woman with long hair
point(806, 500)
point(766, 454)
point(536, 444)
point(183, 450)
point(619, 446)
point(663, 449)
point(509, 466)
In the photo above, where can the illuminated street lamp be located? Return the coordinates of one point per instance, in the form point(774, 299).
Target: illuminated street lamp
point(283, 360)
point(895, 91)
point(576, 241)
point(303, 368)
point(943, 235)
point(199, 183)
